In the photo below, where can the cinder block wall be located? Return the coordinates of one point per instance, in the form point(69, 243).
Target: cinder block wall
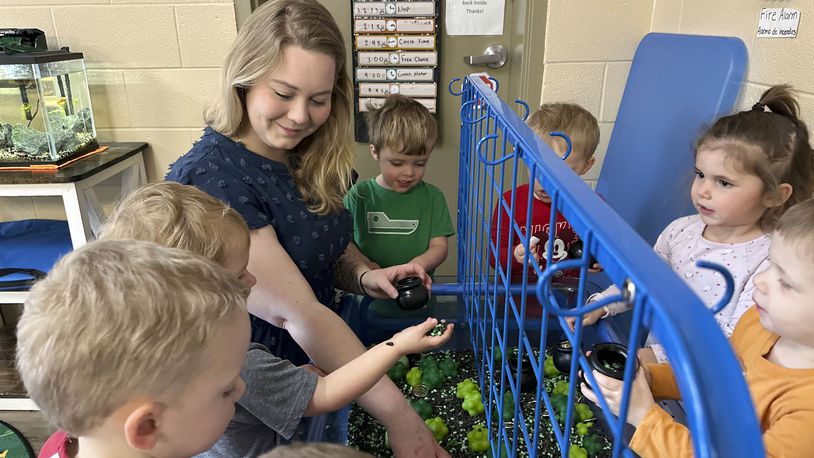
point(588, 52)
point(771, 60)
point(152, 64)
point(590, 45)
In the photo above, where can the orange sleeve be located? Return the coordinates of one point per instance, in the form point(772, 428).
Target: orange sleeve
point(663, 382)
point(659, 436)
point(789, 436)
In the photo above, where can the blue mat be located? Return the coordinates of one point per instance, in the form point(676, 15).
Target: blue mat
point(29, 248)
point(678, 85)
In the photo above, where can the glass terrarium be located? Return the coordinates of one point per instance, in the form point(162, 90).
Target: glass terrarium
point(45, 110)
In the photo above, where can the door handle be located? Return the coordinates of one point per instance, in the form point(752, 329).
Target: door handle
point(495, 56)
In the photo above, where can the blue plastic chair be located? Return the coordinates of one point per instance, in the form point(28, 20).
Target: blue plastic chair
point(677, 85)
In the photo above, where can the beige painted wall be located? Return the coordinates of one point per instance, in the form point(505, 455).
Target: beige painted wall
point(771, 60)
point(151, 66)
point(152, 63)
point(590, 45)
point(588, 51)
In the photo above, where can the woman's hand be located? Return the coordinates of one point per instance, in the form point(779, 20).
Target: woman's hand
point(520, 251)
point(378, 283)
point(641, 398)
point(415, 339)
point(410, 437)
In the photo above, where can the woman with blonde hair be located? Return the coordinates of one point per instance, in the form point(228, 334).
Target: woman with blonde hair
point(277, 149)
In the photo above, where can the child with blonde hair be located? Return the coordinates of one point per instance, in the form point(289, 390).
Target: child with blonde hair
point(397, 216)
point(278, 394)
point(583, 130)
point(134, 349)
point(749, 168)
point(774, 343)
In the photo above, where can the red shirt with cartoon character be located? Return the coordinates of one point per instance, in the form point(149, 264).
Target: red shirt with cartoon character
point(537, 223)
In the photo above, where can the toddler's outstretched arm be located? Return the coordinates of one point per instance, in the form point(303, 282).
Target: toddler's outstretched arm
point(350, 381)
point(609, 310)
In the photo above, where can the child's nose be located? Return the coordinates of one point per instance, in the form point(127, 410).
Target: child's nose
point(760, 282)
point(702, 188)
point(249, 280)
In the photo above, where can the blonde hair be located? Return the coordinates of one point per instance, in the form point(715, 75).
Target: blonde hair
point(403, 125)
point(795, 226)
point(315, 450)
point(322, 163)
point(179, 216)
point(116, 320)
point(571, 119)
point(772, 145)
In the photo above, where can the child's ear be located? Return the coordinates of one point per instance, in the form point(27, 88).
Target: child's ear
point(780, 196)
point(141, 426)
point(374, 153)
point(587, 166)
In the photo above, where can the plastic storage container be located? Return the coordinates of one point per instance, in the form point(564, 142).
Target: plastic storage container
point(45, 109)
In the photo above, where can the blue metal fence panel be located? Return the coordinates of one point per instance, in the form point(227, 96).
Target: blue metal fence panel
point(497, 149)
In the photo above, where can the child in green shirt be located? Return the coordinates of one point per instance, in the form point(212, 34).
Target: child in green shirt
point(397, 217)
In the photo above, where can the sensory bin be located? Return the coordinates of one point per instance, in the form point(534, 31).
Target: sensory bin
point(443, 388)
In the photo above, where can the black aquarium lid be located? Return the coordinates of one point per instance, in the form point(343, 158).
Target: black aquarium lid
point(39, 57)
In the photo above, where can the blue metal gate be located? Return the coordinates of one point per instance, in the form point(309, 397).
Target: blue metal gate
point(496, 149)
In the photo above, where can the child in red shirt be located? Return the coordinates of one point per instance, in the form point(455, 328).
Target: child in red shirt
point(582, 128)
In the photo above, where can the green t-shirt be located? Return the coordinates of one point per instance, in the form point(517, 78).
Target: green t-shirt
point(392, 228)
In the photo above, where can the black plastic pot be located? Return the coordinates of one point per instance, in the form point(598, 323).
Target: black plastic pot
point(528, 383)
point(561, 355)
point(412, 293)
point(609, 358)
point(575, 252)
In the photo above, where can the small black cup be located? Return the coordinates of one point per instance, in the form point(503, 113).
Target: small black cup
point(561, 355)
point(412, 293)
point(528, 383)
point(575, 252)
point(609, 358)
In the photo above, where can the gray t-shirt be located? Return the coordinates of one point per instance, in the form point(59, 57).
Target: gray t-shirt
point(277, 393)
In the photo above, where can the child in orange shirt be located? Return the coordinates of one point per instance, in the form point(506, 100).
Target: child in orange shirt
point(774, 342)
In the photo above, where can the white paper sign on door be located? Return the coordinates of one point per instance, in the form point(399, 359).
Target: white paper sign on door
point(474, 17)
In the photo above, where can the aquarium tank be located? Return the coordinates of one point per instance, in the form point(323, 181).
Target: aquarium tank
point(45, 110)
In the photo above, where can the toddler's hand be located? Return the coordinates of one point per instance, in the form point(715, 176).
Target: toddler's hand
point(415, 339)
point(520, 251)
point(588, 319)
point(641, 398)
